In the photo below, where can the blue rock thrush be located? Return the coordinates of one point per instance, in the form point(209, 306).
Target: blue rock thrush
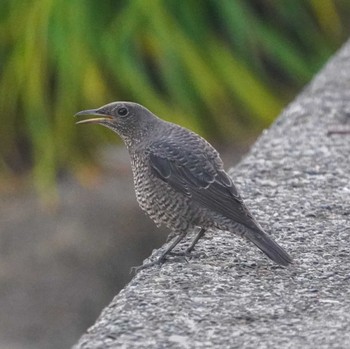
point(180, 180)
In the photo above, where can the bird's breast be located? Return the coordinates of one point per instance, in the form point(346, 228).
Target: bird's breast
point(161, 202)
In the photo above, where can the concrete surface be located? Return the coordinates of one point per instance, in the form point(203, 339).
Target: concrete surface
point(296, 180)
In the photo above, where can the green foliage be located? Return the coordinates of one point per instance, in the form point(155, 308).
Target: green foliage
point(223, 68)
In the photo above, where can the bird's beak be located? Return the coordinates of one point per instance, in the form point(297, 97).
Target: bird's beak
point(102, 117)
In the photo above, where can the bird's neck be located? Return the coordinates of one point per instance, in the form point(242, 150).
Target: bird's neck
point(137, 138)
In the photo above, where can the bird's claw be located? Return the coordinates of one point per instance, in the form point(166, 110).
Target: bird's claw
point(158, 261)
point(170, 237)
point(185, 253)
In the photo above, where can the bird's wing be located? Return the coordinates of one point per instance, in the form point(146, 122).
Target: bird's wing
point(198, 177)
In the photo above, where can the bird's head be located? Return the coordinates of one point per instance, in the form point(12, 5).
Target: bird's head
point(130, 120)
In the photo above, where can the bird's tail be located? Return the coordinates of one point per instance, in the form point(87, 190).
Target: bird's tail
point(270, 247)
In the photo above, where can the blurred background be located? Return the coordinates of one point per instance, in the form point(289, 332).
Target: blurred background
point(70, 227)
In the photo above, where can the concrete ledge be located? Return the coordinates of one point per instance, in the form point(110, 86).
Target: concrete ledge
point(296, 180)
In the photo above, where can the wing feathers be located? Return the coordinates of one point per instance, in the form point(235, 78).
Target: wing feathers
point(212, 190)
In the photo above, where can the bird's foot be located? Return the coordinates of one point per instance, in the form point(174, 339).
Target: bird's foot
point(338, 132)
point(159, 261)
point(171, 236)
point(187, 254)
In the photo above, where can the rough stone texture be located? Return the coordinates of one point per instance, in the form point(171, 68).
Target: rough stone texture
point(296, 180)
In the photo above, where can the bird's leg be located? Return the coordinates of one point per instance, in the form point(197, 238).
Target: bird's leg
point(188, 251)
point(161, 259)
point(195, 240)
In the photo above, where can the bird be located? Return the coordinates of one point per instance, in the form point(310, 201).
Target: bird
point(180, 181)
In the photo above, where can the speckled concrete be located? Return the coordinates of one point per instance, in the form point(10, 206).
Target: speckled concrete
point(296, 180)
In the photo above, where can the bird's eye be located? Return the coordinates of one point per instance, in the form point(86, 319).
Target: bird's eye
point(123, 111)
